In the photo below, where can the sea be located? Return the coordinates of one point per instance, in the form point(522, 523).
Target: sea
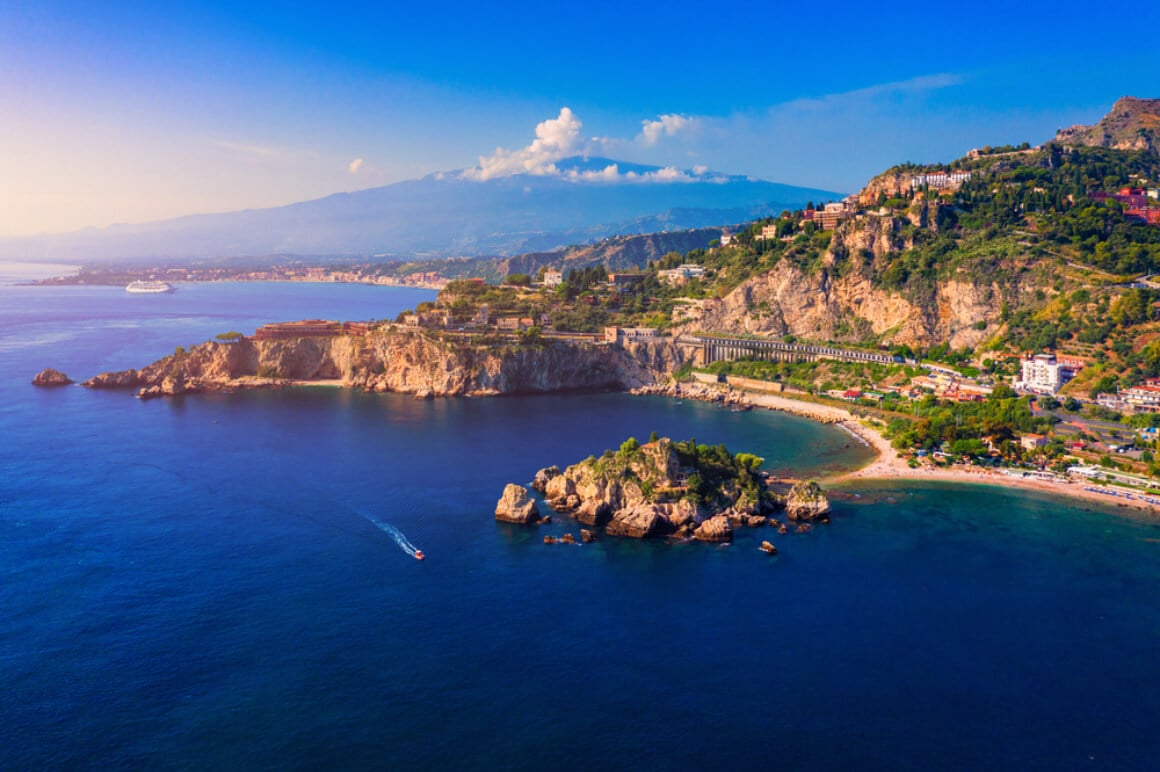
point(226, 581)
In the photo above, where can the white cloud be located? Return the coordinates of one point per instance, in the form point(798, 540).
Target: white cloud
point(556, 138)
point(355, 165)
point(610, 173)
point(664, 126)
point(251, 150)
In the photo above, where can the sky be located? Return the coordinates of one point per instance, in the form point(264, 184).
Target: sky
point(136, 111)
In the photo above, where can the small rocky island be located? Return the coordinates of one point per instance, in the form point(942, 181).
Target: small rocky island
point(670, 489)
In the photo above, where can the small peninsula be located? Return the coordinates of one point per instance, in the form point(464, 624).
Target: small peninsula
point(663, 488)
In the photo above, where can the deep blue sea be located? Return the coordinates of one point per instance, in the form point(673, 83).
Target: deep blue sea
point(211, 582)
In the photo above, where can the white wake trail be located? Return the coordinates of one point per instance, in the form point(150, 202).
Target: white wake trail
point(394, 533)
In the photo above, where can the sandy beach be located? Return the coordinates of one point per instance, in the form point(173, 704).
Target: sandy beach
point(890, 465)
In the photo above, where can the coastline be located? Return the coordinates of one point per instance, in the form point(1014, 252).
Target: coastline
point(889, 463)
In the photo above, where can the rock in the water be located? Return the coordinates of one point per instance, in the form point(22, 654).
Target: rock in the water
point(550, 539)
point(768, 548)
point(716, 528)
point(540, 481)
point(639, 522)
point(593, 512)
point(124, 379)
point(567, 539)
point(560, 492)
point(516, 506)
point(587, 536)
point(806, 501)
point(50, 377)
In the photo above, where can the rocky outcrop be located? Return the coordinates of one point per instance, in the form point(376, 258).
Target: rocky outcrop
point(405, 361)
point(640, 521)
point(516, 506)
point(543, 477)
point(124, 379)
point(844, 299)
point(715, 529)
point(50, 377)
point(768, 548)
point(645, 491)
point(1132, 124)
point(806, 501)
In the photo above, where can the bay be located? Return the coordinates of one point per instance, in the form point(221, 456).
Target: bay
point(204, 582)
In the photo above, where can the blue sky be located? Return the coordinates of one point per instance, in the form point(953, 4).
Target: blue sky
point(125, 112)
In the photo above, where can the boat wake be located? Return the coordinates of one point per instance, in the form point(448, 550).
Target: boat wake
point(395, 534)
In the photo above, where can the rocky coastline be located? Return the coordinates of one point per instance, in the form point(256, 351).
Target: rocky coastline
point(401, 361)
point(665, 489)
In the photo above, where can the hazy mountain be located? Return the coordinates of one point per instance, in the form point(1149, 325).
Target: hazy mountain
point(447, 214)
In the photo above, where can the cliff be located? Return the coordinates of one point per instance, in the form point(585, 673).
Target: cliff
point(844, 298)
point(404, 361)
point(1132, 124)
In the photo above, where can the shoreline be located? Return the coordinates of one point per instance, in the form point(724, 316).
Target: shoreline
point(889, 464)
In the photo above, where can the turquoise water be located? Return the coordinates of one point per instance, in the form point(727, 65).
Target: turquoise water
point(204, 582)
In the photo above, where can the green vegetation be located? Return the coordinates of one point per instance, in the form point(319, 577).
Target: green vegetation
point(1000, 419)
point(713, 475)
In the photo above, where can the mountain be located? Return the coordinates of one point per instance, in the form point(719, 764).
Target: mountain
point(1132, 124)
point(447, 214)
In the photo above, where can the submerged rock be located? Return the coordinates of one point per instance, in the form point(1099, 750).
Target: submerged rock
point(516, 506)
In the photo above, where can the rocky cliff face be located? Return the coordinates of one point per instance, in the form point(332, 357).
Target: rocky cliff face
point(403, 361)
point(1132, 124)
point(844, 300)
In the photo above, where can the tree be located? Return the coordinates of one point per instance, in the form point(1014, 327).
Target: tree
point(1002, 391)
point(629, 446)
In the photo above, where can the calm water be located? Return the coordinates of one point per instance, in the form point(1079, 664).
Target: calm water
point(204, 583)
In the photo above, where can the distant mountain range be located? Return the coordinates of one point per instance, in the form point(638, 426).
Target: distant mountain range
point(446, 214)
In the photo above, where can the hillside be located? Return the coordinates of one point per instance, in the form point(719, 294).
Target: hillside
point(1027, 253)
point(1132, 124)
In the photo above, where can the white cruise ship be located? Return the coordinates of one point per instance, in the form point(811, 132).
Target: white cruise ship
point(149, 287)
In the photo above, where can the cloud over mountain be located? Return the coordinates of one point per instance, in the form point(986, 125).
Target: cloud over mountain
point(556, 138)
point(559, 138)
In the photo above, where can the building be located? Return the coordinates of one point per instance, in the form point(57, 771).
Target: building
point(768, 232)
point(513, 323)
point(681, 273)
point(553, 278)
point(307, 328)
point(1144, 398)
point(629, 334)
point(1032, 441)
point(624, 281)
point(727, 238)
point(356, 328)
point(829, 217)
point(1043, 374)
point(940, 180)
point(436, 319)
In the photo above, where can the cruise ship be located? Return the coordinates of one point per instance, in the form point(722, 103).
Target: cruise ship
point(149, 287)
